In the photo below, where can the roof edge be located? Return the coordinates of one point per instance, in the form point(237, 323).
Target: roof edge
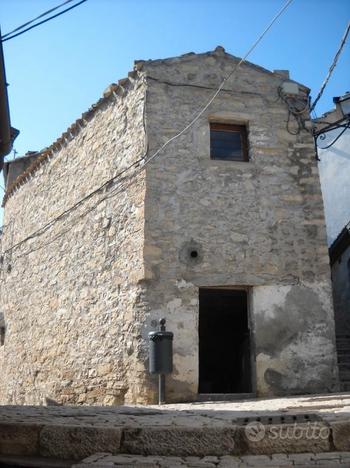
point(112, 91)
point(219, 51)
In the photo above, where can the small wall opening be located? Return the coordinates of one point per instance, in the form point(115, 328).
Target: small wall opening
point(2, 329)
point(224, 342)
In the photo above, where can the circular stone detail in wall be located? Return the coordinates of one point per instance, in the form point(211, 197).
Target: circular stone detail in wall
point(191, 253)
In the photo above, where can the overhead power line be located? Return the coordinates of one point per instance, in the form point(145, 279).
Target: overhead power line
point(9, 35)
point(34, 19)
point(138, 163)
point(332, 67)
point(230, 75)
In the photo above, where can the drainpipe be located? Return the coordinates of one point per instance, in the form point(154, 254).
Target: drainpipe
point(7, 134)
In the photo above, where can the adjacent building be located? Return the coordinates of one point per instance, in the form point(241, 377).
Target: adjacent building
point(221, 232)
point(334, 164)
point(333, 143)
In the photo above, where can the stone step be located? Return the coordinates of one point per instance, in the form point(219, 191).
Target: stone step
point(225, 396)
point(7, 461)
point(105, 460)
point(230, 438)
point(184, 430)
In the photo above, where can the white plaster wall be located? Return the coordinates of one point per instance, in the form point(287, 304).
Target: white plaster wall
point(334, 170)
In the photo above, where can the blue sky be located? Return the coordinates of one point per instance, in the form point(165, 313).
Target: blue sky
point(59, 69)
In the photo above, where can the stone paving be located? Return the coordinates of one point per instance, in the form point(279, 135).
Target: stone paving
point(195, 414)
point(294, 425)
point(329, 460)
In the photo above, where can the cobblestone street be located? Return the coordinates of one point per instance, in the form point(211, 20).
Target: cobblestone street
point(331, 459)
point(302, 431)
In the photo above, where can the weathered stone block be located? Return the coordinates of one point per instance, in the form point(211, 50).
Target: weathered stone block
point(341, 435)
point(179, 441)
point(283, 438)
point(78, 442)
point(19, 439)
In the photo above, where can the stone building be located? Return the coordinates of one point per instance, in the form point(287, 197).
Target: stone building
point(221, 232)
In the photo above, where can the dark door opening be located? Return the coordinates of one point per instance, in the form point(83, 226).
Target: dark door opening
point(224, 342)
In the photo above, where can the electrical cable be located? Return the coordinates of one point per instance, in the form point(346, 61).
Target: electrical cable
point(201, 112)
point(143, 159)
point(295, 110)
point(38, 17)
point(332, 67)
point(115, 192)
point(44, 228)
point(288, 126)
point(41, 22)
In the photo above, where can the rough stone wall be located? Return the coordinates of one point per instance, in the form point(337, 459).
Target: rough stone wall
point(258, 224)
point(71, 296)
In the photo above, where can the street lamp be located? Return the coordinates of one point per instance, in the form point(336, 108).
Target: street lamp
point(343, 104)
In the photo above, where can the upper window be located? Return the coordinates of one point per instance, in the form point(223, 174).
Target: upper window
point(228, 142)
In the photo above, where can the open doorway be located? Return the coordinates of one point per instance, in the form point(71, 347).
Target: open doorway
point(224, 342)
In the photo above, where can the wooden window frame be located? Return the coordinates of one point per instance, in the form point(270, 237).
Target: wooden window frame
point(241, 129)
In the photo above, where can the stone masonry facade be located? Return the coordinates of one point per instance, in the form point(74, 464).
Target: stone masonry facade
point(110, 258)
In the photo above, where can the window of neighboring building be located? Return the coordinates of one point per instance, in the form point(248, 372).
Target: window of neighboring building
point(228, 142)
